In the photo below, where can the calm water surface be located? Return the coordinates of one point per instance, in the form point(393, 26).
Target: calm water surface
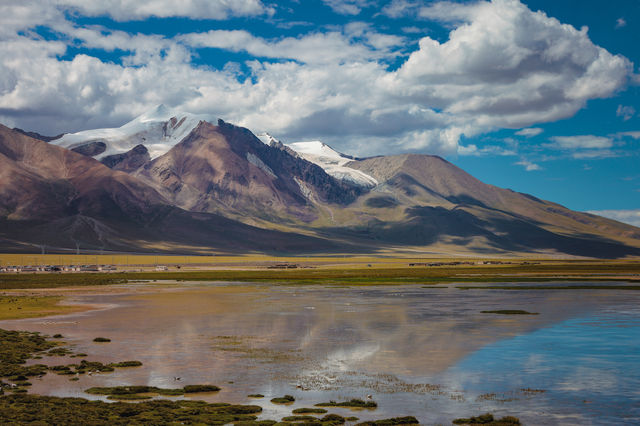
point(427, 352)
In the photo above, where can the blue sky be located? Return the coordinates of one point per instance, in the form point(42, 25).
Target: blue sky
point(538, 96)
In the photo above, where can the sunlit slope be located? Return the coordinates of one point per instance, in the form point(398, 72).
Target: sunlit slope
point(426, 200)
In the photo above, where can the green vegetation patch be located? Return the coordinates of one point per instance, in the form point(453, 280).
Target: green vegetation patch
point(17, 307)
point(125, 364)
point(200, 388)
point(328, 420)
point(509, 312)
point(309, 411)
point(333, 419)
point(117, 391)
point(304, 419)
point(23, 409)
point(488, 419)
point(101, 340)
point(353, 403)
point(58, 352)
point(8, 281)
point(91, 367)
point(134, 397)
point(287, 399)
point(16, 347)
point(255, 395)
point(408, 420)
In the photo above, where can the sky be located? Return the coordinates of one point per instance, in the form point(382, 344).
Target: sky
point(540, 96)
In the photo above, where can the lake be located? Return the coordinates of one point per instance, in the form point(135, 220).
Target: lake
point(427, 352)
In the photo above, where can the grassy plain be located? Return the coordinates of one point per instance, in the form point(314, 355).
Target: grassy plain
point(341, 271)
point(14, 307)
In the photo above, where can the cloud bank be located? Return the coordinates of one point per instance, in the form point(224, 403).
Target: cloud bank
point(502, 66)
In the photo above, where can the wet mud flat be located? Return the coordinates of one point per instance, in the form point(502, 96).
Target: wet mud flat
point(429, 352)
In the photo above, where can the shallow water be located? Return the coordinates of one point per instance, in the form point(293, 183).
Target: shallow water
point(426, 352)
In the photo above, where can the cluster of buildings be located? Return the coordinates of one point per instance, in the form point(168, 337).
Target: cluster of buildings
point(482, 262)
point(58, 268)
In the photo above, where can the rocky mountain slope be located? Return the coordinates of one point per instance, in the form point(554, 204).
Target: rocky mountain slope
point(178, 182)
point(51, 196)
point(227, 170)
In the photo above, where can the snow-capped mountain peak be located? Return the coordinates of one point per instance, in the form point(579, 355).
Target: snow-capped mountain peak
point(319, 149)
point(161, 128)
point(158, 129)
point(332, 161)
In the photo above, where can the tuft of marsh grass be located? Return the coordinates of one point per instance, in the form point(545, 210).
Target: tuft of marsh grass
point(287, 399)
point(309, 411)
point(488, 419)
point(408, 420)
point(353, 403)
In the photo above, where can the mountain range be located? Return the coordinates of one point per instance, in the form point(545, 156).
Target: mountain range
point(177, 182)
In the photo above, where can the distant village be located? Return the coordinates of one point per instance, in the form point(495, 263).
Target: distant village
point(13, 269)
point(66, 268)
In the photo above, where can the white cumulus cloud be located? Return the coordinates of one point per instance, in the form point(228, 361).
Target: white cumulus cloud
point(626, 112)
point(315, 48)
point(632, 217)
point(528, 165)
point(129, 10)
point(529, 132)
point(511, 67)
point(582, 142)
point(348, 7)
point(633, 135)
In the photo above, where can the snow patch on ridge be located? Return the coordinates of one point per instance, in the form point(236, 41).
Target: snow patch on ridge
point(159, 130)
point(333, 162)
point(256, 161)
point(266, 138)
point(304, 189)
